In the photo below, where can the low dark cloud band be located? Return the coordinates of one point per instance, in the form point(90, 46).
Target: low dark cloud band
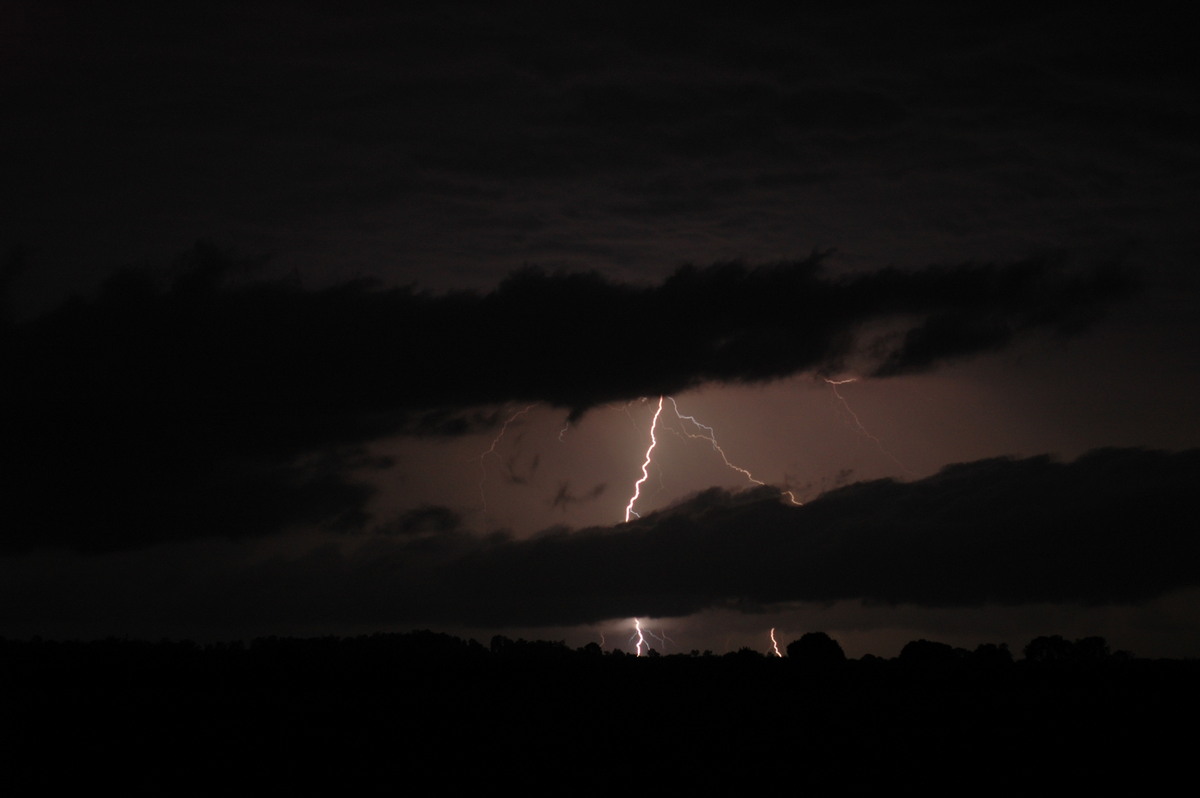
point(1109, 528)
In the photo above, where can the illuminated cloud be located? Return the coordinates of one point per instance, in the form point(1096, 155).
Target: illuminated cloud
point(237, 408)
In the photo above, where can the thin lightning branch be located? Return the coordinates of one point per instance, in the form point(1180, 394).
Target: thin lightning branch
point(637, 487)
point(625, 409)
point(492, 449)
point(858, 422)
point(775, 643)
point(662, 638)
point(710, 435)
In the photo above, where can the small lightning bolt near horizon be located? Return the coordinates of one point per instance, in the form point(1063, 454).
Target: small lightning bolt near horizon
point(775, 643)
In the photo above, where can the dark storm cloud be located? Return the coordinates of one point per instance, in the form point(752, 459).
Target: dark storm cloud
point(563, 498)
point(232, 407)
point(455, 137)
point(444, 143)
point(238, 406)
point(1111, 527)
point(422, 521)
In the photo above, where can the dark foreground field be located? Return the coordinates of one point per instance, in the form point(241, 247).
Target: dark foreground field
point(430, 713)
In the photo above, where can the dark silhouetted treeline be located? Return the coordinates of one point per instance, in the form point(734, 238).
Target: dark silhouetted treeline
point(434, 712)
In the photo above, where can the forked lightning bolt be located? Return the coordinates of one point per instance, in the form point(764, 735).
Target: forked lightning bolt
point(702, 431)
point(637, 636)
point(708, 434)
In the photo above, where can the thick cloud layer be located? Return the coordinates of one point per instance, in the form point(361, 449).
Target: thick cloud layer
point(1111, 527)
point(444, 145)
point(238, 408)
point(439, 142)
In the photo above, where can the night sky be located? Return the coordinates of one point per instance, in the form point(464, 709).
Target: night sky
point(334, 318)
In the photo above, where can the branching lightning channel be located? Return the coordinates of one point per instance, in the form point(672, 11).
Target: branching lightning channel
point(637, 638)
point(641, 644)
point(662, 638)
point(708, 434)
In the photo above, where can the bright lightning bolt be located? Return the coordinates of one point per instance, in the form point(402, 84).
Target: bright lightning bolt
point(702, 432)
point(638, 636)
point(708, 434)
point(637, 487)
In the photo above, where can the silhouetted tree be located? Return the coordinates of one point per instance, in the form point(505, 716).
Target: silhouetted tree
point(592, 649)
point(744, 655)
point(816, 648)
point(1085, 651)
point(990, 655)
point(1091, 649)
point(1049, 649)
point(928, 653)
